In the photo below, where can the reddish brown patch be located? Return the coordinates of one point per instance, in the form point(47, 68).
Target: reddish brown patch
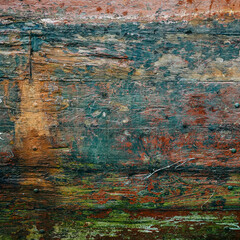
point(170, 9)
point(99, 9)
point(197, 108)
point(101, 214)
point(110, 10)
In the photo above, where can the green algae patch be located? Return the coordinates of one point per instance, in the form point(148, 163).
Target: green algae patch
point(120, 223)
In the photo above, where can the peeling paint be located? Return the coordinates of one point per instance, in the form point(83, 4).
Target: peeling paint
point(119, 120)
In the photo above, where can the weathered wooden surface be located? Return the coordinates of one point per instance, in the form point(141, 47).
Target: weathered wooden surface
point(90, 110)
point(59, 11)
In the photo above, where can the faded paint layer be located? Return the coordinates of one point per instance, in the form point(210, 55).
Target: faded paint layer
point(125, 10)
point(123, 128)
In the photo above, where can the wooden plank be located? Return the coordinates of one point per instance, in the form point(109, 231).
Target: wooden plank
point(73, 11)
point(112, 128)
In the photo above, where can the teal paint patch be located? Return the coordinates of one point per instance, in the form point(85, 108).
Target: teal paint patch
point(36, 43)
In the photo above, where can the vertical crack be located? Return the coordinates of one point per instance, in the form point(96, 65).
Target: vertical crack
point(30, 57)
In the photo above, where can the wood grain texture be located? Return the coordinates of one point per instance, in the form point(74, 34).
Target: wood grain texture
point(74, 11)
point(119, 129)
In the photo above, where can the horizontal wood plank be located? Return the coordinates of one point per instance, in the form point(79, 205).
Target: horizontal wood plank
point(119, 121)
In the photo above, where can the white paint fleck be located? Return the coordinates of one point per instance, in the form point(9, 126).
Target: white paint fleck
point(96, 113)
point(126, 120)
point(126, 132)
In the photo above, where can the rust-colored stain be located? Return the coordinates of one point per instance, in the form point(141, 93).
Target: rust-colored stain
point(33, 137)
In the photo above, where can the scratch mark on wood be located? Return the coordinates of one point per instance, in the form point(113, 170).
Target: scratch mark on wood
point(169, 166)
point(208, 199)
point(30, 57)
